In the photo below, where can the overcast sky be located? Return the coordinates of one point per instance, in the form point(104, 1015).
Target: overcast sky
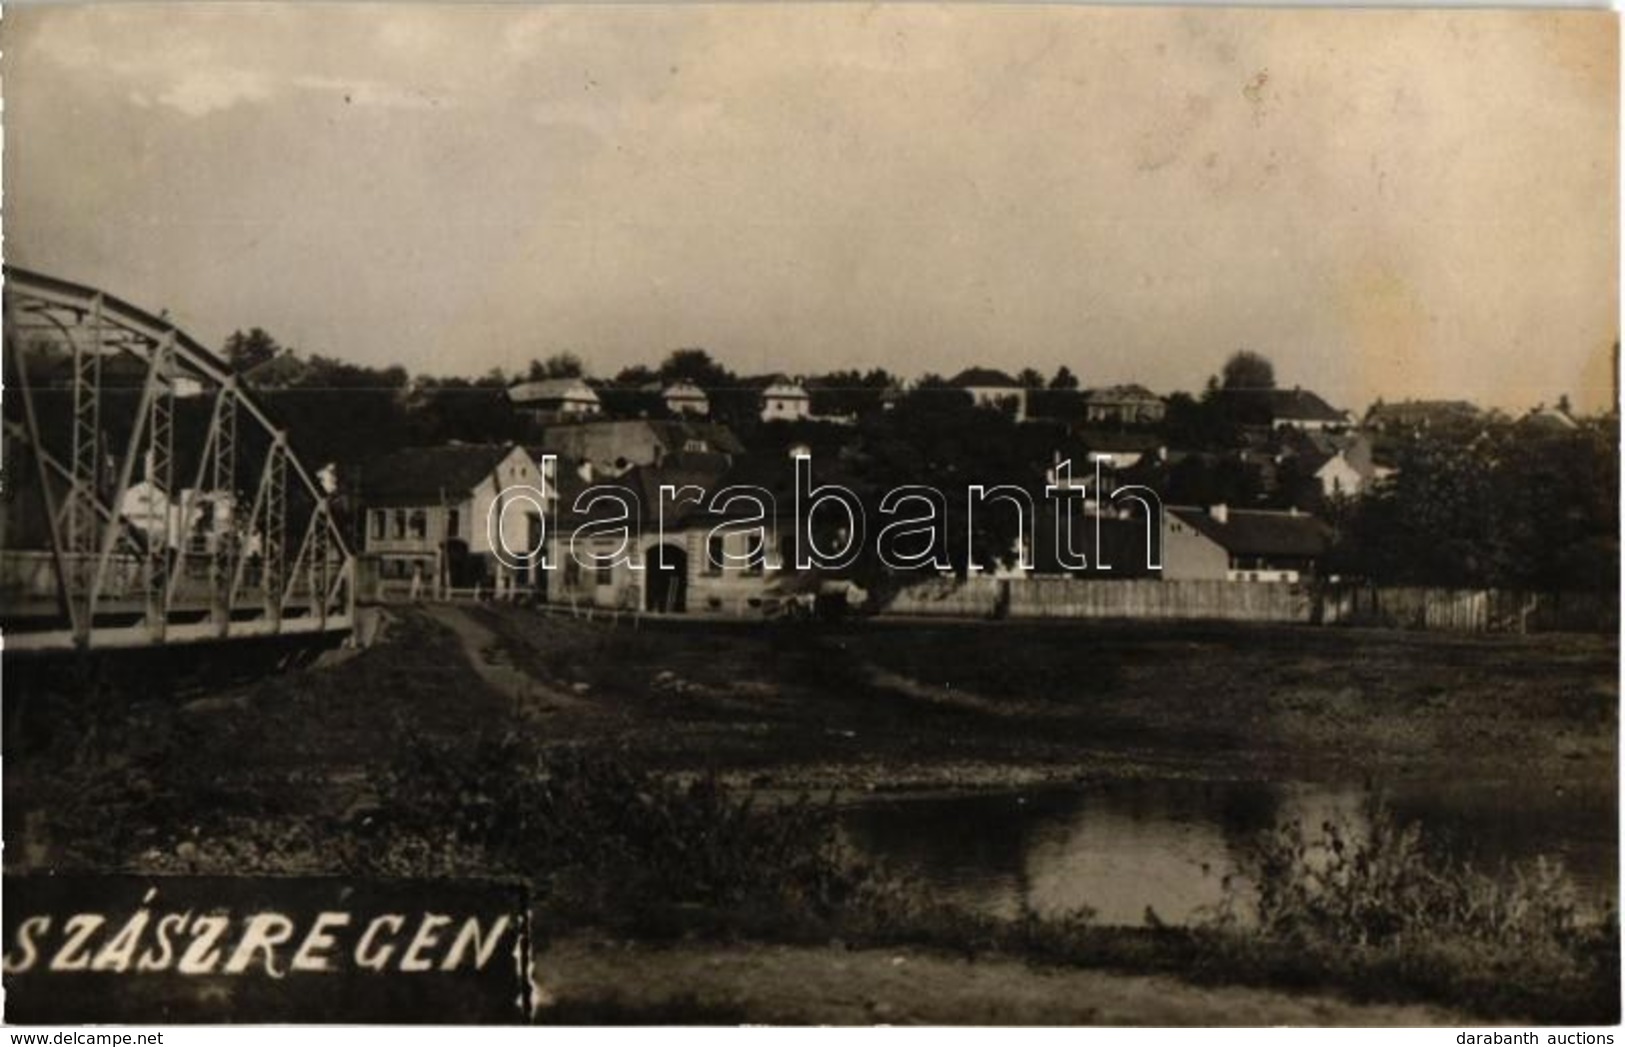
point(1385, 203)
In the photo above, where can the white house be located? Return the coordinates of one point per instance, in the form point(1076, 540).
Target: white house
point(686, 398)
point(556, 399)
point(433, 514)
point(785, 401)
point(993, 388)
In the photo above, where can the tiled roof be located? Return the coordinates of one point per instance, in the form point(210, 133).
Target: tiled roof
point(1287, 404)
point(676, 432)
point(673, 435)
point(1252, 532)
point(426, 475)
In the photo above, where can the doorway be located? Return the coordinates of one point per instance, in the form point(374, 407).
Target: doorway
point(666, 588)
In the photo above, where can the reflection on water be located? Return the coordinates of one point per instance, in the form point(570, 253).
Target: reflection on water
point(1123, 847)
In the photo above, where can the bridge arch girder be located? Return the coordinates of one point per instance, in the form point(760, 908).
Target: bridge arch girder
point(149, 498)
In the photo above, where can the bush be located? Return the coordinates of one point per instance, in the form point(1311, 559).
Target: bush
point(614, 842)
point(1369, 909)
point(605, 842)
point(1383, 883)
point(1380, 910)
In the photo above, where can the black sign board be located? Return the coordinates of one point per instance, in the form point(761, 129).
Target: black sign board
point(216, 949)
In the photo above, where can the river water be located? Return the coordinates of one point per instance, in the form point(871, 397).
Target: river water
point(1120, 848)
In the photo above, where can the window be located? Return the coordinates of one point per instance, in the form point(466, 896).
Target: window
point(787, 550)
point(572, 572)
point(606, 574)
point(419, 524)
point(454, 523)
point(757, 553)
point(380, 523)
point(400, 523)
point(713, 554)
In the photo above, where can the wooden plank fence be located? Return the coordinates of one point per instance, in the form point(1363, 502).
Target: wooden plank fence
point(1401, 607)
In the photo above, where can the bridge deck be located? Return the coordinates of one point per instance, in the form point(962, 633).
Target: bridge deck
point(23, 641)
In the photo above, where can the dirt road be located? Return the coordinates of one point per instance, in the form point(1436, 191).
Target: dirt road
point(485, 656)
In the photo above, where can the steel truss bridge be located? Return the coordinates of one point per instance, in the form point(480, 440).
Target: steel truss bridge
point(148, 499)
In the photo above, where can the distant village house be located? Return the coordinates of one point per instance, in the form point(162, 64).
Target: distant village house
point(556, 399)
point(784, 400)
point(1287, 409)
point(993, 388)
point(1123, 405)
point(687, 398)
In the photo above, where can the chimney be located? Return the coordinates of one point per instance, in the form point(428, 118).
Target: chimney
point(1220, 512)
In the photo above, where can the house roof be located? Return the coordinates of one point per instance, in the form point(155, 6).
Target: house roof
point(1549, 419)
point(1294, 405)
point(675, 433)
point(1315, 448)
point(1257, 532)
point(644, 482)
point(983, 378)
point(1412, 411)
point(551, 389)
point(427, 475)
point(682, 391)
point(672, 434)
point(1130, 393)
point(775, 472)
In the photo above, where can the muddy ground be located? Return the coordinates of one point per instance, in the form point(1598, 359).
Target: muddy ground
point(899, 704)
point(292, 773)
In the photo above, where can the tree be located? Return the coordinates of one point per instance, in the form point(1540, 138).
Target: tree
point(1064, 379)
point(1248, 370)
point(696, 366)
point(244, 352)
point(1030, 379)
point(637, 374)
point(559, 365)
point(1493, 505)
point(937, 437)
point(1208, 424)
point(849, 393)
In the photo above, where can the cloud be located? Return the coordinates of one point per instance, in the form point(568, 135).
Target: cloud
point(371, 93)
point(206, 91)
point(918, 186)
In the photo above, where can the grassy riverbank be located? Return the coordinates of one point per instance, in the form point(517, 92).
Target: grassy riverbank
point(620, 770)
